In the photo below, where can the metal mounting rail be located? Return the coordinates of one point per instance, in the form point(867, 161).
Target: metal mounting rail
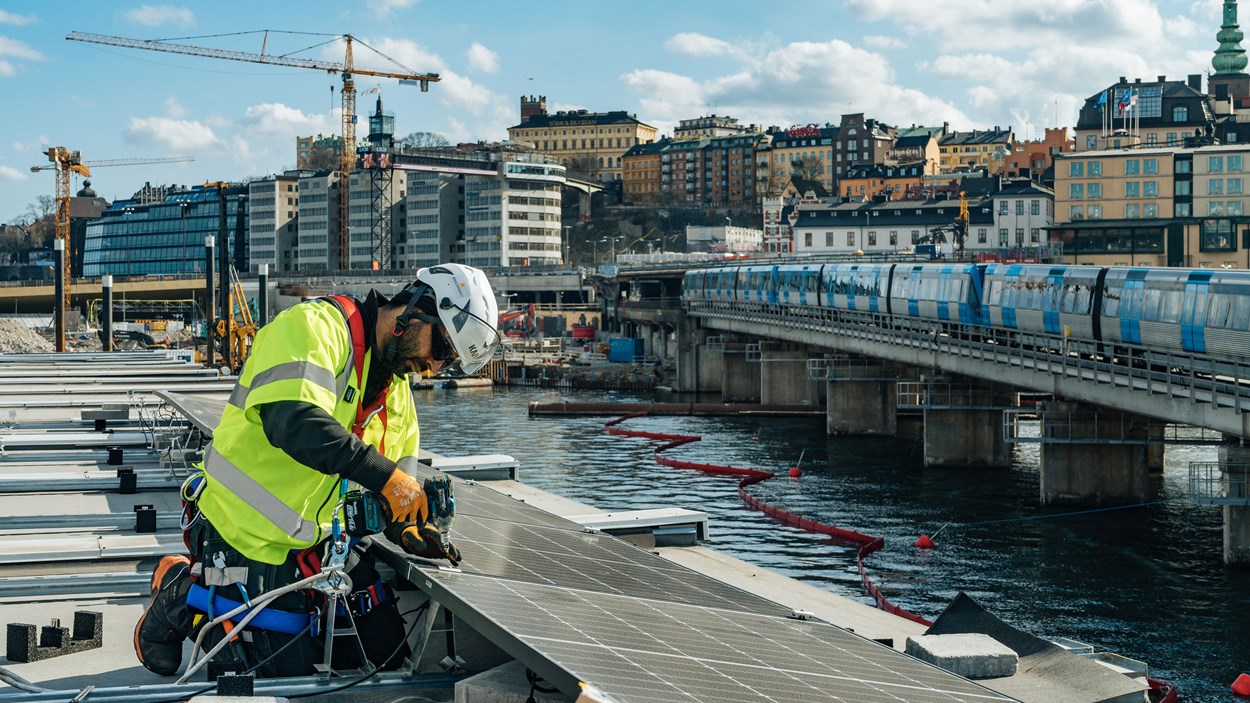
point(1212, 483)
point(753, 353)
point(857, 369)
point(1079, 427)
point(944, 395)
point(714, 345)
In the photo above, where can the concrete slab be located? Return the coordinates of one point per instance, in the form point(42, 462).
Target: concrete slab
point(503, 684)
point(971, 655)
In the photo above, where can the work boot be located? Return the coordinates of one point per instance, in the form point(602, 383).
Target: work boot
point(167, 621)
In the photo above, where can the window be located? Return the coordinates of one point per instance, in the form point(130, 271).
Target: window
point(1076, 212)
point(1171, 138)
point(1234, 163)
point(1152, 139)
point(1132, 211)
point(1216, 235)
point(1215, 164)
point(1215, 208)
point(1184, 166)
point(1150, 210)
point(1076, 169)
point(1019, 236)
point(1094, 212)
point(981, 234)
point(1035, 207)
point(1002, 204)
point(1184, 210)
point(829, 239)
point(1132, 167)
point(1180, 113)
point(1150, 189)
point(1035, 235)
point(872, 239)
point(1094, 168)
point(850, 239)
point(1002, 237)
point(1094, 190)
point(1091, 142)
point(1234, 186)
point(1182, 188)
point(1019, 207)
point(893, 237)
point(1215, 186)
point(1132, 189)
point(1234, 208)
point(1076, 192)
point(1149, 166)
point(807, 239)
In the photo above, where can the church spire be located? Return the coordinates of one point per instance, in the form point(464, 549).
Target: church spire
point(1230, 58)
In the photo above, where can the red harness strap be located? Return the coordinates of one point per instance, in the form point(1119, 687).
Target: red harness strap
point(356, 325)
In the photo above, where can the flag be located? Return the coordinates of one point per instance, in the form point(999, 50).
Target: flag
point(1126, 102)
point(1102, 101)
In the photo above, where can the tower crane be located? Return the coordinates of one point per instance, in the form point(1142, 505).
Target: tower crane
point(65, 162)
point(347, 69)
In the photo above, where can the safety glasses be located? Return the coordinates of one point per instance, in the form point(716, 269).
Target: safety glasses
point(440, 346)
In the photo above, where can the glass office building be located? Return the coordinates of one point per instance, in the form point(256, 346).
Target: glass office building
point(133, 238)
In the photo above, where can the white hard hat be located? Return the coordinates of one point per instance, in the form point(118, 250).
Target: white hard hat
point(466, 307)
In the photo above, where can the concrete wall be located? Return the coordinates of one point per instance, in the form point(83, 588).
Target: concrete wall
point(1236, 517)
point(965, 438)
point(1088, 462)
point(783, 376)
point(740, 380)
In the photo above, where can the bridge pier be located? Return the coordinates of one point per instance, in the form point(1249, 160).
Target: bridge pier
point(1236, 517)
point(698, 367)
point(963, 424)
point(783, 376)
point(862, 398)
point(740, 379)
point(1092, 457)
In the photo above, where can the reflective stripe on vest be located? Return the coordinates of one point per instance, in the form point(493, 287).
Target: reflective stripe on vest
point(258, 498)
point(289, 371)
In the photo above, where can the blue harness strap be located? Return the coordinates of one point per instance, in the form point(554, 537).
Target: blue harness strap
point(268, 619)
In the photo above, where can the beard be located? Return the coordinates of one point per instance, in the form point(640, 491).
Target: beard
point(408, 347)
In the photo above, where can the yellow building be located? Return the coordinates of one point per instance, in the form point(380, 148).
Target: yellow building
point(1154, 207)
point(581, 140)
point(640, 171)
point(980, 148)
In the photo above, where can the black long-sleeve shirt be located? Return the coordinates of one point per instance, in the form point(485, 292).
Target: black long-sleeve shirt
point(315, 439)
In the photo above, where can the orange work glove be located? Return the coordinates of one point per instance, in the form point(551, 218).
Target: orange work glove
point(405, 498)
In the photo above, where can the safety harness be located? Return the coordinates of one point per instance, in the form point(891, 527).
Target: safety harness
point(309, 560)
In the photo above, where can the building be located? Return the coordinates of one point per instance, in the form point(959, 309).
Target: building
point(867, 181)
point(1036, 158)
point(1150, 114)
point(711, 172)
point(980, 148)
point(921, 147)
point(83, 208)
point(723, 239)
point(586, 142)
point(513, 218)
point(274, 222)
point(641, 172)
point(319, 152)
point(1155, 207)
point(133, 238)
point(317, 246)
point(1023, 214)
point(860, 141)
point(879, 228)
point(712, 126)
point(434, 220)
point(802, 151)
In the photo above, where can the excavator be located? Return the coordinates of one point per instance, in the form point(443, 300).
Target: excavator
point(238, 330)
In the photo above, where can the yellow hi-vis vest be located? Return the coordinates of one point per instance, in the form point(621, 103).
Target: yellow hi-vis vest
point(263, 502)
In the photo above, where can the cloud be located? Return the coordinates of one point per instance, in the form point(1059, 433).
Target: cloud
point(277, 119)
point(18, 50)
point(879, 41)
point(384, 8)
point(10, 18)
point(158, 15)
point(696, 44)
point(175, 135)
point(173, 108)
point(482, 59)
point(36, 143)
point(9, 173)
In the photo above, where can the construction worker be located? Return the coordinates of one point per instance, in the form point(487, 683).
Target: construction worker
point(322, 400)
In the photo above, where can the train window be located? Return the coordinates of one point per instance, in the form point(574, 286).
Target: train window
point(1239, 314)
point(1151, 300)
point(1217, 312)
point(1170, 306)
point(1111, 301)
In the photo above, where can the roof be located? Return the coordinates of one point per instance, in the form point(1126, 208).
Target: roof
point(579, 117)
point(1091, 117)
point(920, 140)
point(803, 185)
point(901, 213)
point(909, 170)
point(87, 208)
point(1024, 188)
point(646, 149)
point(919, 130)
point(977, 136)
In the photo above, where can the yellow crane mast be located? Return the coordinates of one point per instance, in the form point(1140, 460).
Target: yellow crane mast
point(67, 162)
point(347, 69)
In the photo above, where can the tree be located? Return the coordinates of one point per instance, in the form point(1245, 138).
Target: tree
point(584, 167)
point(322, 158)
point(40, 220)
point(808, 169)
point(425, 140)
point(14, 244)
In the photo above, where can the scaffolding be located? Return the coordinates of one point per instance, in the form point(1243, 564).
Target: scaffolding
point(1212, 483)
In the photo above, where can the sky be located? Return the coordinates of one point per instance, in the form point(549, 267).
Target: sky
point(1027, 64)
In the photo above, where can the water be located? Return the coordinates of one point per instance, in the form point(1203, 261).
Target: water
point(1148, 582)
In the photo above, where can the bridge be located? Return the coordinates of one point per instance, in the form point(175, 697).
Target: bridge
point(1102, 420)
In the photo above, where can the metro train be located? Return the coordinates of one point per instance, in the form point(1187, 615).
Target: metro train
point(1199, 311)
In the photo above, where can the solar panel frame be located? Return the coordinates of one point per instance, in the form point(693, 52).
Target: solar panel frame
point(637, 649)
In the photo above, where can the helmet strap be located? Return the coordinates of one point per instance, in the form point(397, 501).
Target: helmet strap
point(401, 322)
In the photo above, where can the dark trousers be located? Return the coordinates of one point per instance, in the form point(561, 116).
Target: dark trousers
point(381, 629)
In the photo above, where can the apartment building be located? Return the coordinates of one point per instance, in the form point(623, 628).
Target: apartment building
point(594, 140)
point(274, 222)
point(317, 246)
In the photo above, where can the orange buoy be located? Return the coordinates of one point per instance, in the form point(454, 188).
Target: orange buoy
point(795, 472)
point(924, 542)
point(1242, 685)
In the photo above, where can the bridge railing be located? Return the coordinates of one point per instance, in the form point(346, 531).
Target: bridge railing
point(1212, 483)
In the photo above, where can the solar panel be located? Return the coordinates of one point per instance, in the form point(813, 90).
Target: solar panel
point(636, 649)
point(483, 501)
point(588, 561)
